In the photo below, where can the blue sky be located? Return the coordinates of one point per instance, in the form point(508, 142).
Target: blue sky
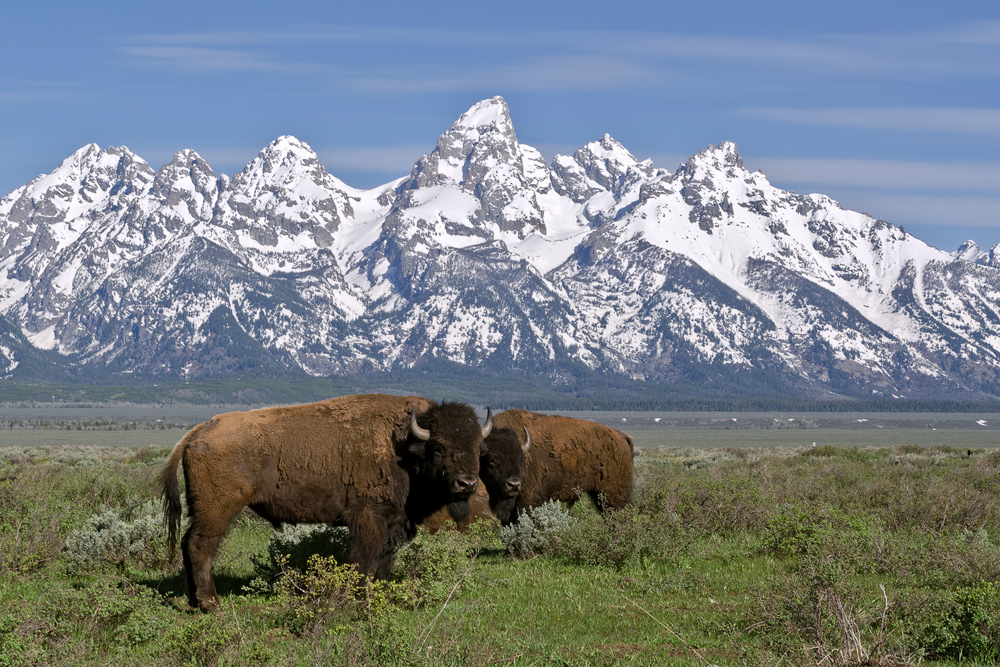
point(892, 108)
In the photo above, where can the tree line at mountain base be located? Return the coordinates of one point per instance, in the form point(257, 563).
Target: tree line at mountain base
point(578, 390)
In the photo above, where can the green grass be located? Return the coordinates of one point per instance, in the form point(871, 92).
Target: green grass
point(726, 556)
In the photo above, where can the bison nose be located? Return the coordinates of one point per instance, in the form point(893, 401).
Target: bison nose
point(466, 483)
point(513, 484)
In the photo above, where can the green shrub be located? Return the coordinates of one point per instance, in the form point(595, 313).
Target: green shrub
point(847, 453)
point(433, 564)
point(202, 640)
point(119, 538)
point(790, 532)
point(330, 595)
point(537, 530)
point(970, 630)
point(827, 536)
point(18, 646)
point(42, 502)
point(293, 546)
point(106, 615)
point(621, 539)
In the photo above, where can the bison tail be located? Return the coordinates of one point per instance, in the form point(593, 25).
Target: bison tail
point(172, 496)
point(631, 445)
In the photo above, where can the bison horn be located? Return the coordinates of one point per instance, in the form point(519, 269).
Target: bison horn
point(417, 432)
point(488, 426)
point(527, 440)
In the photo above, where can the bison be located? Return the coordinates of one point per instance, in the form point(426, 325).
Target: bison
point(570, 456)
point(375, 463)
point(500, 461)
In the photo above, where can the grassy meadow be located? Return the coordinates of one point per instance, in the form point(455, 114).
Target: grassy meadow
point(741, 547)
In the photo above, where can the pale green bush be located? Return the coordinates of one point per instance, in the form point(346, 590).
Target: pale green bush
point(130, 536)
point(537, 530)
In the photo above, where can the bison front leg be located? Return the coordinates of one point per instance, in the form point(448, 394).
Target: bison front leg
point(374, 536)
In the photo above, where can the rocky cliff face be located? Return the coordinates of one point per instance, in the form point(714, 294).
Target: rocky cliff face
point(486, 256)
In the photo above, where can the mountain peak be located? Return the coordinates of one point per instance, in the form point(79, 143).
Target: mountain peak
point(284, 159)
point(480, 157)
point(491, 113)
point(723, 158)
point(727, 153)
point(969, 252)
point(483, 135)
point(289, 148)
point(187, 155)
point(82, 182)
point(605, 162)
point(84, 152)
point(186, 175)
point(91, 156)
point(288, 142)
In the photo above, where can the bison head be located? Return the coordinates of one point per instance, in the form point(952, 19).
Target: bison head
point(445, 443)
point(500, 463)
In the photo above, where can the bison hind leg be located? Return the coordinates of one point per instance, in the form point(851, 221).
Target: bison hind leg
point(604, 501)
point(198, 549)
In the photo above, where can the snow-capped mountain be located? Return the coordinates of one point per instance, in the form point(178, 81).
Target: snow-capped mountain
point(486, 256)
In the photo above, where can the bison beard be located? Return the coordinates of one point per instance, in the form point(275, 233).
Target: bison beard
point(459, 511)
point(377, 464)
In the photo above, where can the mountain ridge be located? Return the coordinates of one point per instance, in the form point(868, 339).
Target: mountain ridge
point(486, 256)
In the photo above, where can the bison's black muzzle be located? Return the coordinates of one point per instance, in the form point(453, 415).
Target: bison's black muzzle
point(464, 485)
point(512, 486)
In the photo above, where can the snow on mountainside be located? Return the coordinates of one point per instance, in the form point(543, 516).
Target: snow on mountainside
point(486, 256)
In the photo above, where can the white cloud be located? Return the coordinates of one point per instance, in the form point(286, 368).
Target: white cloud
point(984, 122)
point(925, 209)
point(198, 59)
point(891, 174)
point(576, 60)
point(547, 73)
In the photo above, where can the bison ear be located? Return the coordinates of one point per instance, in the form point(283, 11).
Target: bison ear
point(527, 440)
point(418, 448)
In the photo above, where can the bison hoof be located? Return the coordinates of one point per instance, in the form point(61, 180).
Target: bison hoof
point(208, 606)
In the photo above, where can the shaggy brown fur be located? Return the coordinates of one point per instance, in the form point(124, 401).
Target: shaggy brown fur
point(500, 461)
point(352, 461)
point(569, 456)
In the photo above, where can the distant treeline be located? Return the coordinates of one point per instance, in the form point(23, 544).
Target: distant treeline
point(85, 425)
point(579, 390)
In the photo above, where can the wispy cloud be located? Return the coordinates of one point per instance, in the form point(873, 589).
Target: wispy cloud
point(935, 209)
point(206, 60)
point(562, 73)
point(577, 60)
point(884, 174)
point(951, 120)
point(920, 193)
point(39, 90)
